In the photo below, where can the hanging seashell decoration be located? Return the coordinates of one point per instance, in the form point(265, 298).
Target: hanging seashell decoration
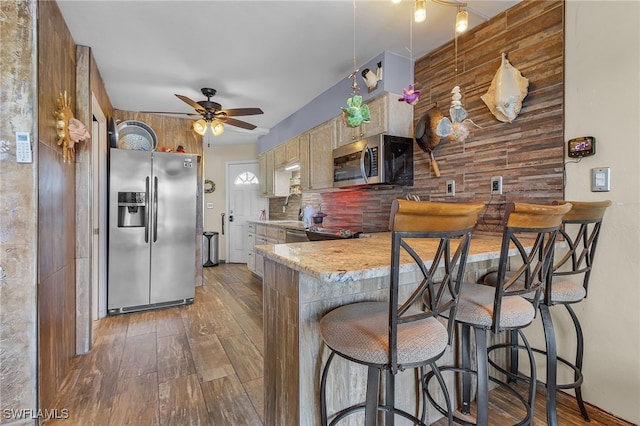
point(508, 89)
point(456, 128)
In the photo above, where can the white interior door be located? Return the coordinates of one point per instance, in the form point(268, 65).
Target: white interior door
point(243, 204)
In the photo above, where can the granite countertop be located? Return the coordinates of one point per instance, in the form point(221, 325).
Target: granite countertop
point(360, 258)
point(290, 224)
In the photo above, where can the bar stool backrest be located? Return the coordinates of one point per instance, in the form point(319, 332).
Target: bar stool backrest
point(526, 225)
point(580, 231)
point(450, 226)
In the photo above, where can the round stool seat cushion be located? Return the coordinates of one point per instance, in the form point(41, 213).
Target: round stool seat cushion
point(566, 291)
point(360, 331)
point(476, 308)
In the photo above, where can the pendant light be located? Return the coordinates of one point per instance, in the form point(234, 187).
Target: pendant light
point(462, 20)
point(462, 17)
point(420, 11)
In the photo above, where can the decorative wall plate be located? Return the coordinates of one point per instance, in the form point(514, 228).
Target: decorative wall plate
point(136, 135)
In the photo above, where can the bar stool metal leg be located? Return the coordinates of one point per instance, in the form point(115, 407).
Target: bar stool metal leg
point(552, 364)
point(577, 375)
point(483, 377)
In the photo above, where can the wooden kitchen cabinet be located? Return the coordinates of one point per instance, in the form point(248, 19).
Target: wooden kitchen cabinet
point(303, 146)
point(345, 134)
point(321, 144)
point(266, 172)
point(292, 150)
point(261, 234)
point(251, 242)
point(279, 156)
point(387, 116)
point(286, 153)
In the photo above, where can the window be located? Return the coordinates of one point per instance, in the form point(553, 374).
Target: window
point(246, 178)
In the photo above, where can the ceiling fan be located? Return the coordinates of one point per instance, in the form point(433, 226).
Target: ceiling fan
point(213, 115)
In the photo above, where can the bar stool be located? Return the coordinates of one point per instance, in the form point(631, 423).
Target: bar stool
point(391, 336)
point(528, 239)
point(569, 285)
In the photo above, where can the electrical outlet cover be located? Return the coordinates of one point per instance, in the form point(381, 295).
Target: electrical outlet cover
point(451, 187)
point(496, 185)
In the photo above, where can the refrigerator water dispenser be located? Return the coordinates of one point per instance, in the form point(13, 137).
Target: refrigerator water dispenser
point(131, 209)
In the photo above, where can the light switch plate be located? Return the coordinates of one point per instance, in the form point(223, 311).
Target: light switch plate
point(601, 179)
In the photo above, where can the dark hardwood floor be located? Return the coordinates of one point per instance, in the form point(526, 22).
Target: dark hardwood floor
point(202, 365)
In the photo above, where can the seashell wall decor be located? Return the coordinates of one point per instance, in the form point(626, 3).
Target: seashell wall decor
point(69, 130)
point(508, 89)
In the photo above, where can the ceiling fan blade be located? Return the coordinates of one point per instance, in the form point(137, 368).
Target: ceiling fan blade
point(171, 112)
point(237, 123)
point(235, 112)
point(191, 103)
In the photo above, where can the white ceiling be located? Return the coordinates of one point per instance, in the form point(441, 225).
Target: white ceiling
point(275, 55)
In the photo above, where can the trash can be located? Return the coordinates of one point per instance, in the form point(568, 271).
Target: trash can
point(210, 249)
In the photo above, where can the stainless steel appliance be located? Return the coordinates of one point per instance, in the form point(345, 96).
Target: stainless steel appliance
point(152, 230)
point(295, 235)
point(380, 159)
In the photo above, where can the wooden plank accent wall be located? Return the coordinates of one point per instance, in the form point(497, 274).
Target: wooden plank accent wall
point(527, 153)
point(56, 207)
point(171, 131)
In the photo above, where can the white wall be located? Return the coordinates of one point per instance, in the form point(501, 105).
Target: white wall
point(214, 169)
point(602, 96)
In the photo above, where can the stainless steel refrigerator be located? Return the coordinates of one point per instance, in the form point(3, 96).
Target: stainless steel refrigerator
point(152, 230)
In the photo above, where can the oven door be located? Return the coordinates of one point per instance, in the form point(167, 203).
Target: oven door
point(356, 163)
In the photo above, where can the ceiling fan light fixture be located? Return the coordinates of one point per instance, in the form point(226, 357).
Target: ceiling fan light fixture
point(420, 11)
point(217, 128)
point(200, 126)
point(462, 21)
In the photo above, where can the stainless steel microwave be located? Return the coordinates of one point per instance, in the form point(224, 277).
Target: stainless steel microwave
point(380, 159)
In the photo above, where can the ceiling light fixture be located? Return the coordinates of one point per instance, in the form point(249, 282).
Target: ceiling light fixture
point(462, 20)
point(420, 11)
point(201, 126)
point(462, 17)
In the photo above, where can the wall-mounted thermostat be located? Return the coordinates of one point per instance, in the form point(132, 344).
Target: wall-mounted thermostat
point(581, 147)
point(601, 179)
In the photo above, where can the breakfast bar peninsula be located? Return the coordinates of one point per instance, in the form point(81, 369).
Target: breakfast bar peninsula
point(304, 281)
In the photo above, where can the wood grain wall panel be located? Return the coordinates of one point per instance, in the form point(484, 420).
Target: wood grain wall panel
point(528, 153)
point(171, 131)
point(281, 328)
point(56, 224)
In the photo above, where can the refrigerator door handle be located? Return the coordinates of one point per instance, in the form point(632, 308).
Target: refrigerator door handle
point(155, 209)
point(146, 222)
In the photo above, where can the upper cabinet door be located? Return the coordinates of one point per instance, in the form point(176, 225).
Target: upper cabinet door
point(321, 143)
point(266, 167)
point(379, 118)
point(292, 151)
point(387, 116)
point(346, 134)
point(279, 156)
